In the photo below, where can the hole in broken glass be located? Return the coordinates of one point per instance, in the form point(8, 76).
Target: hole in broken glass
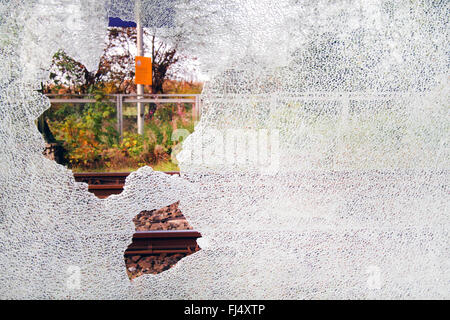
point(91, 128)
point(93, 124)
point(163, 237)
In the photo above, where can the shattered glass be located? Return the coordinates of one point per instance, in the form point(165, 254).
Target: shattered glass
point(319, 168)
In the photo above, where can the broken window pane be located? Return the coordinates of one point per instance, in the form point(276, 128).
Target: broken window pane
point(319, 168)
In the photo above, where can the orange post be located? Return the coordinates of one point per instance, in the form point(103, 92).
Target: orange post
point(143, 70)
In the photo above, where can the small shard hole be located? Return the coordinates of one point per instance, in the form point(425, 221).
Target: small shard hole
point(163, 237)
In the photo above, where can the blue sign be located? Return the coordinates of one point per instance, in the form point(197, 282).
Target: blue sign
point(117, 22)
point(157, 14)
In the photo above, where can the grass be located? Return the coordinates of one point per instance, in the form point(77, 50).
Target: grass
point(162, 166)
point(166, 166)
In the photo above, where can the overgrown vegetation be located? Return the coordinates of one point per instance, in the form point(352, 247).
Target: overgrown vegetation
point(91, 141)
point(88, 132)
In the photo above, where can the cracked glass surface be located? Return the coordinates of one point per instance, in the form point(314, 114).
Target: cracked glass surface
point(348, 98)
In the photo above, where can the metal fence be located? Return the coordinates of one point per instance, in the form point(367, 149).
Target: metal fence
point(120, 99)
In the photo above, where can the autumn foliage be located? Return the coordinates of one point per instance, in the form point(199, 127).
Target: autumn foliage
point(88, 132)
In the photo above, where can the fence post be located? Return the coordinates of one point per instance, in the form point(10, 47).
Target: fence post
point(119, 109)
point(194, 109)
point(341, 127)
point(197, 107)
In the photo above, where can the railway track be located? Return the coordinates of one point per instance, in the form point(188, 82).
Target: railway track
point(105, 184)
point(166, 241)
point(144, 243)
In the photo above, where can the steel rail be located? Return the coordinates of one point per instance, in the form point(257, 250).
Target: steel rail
point(155, 242)
point(167, 241)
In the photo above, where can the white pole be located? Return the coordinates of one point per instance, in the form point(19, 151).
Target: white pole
point(140, 52)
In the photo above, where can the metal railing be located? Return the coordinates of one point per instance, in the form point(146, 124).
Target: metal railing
point(120, 99)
